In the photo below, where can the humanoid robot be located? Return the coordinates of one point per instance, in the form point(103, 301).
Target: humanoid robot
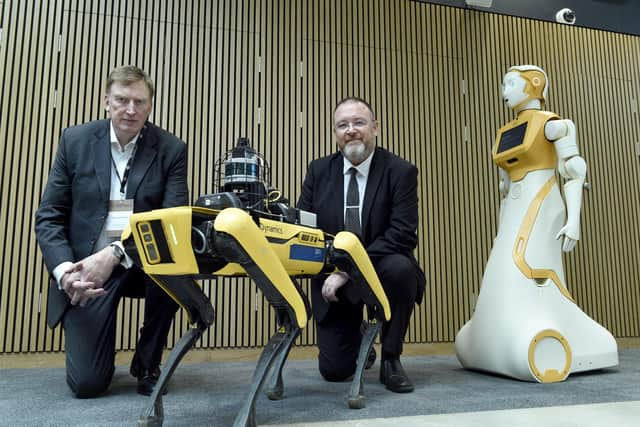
point(526, 325)
point(247, 230)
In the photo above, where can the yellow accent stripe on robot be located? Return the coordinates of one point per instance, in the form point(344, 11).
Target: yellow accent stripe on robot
point(520, 247)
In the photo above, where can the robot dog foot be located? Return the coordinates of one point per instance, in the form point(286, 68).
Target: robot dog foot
point(355, 398)
point(276, 349)
point(154, 414)
point(275, 389)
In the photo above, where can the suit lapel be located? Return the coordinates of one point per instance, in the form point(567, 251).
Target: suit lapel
point(337, 197)
point(373, 182)
point(102, 160)
point(145, 154)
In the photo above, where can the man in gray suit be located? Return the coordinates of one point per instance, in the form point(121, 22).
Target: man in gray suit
point(103, 171)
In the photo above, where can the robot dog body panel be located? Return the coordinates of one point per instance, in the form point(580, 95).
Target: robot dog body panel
point(201, 243)
point(166, 238)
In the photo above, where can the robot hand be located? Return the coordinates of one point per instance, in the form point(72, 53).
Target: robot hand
point(570, 233)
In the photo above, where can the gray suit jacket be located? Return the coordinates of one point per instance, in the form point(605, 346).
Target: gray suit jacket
point(75, 201)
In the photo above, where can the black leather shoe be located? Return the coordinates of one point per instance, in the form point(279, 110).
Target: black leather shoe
point(371, 358)
point(393, 376)
point(147, 380)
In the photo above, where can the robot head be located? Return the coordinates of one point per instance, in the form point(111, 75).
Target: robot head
point(243, 171)
point(523, 83)
point(243, 164)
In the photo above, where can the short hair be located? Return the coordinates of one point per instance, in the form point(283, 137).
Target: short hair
point(355, 99)
point(127, 75)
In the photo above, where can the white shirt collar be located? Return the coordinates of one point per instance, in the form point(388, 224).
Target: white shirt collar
point(114, 139)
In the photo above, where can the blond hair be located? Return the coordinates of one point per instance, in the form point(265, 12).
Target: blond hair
point(127, 75)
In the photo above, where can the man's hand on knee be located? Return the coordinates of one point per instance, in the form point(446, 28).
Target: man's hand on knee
point(331, 285)
point(84, 279)
point(78, 290)
point(98, 267)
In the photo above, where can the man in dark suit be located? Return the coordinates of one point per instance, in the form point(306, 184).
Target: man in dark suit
point(381, 206)
point(103, 171)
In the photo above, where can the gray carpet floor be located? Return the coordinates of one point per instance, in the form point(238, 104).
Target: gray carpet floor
point(210, 394)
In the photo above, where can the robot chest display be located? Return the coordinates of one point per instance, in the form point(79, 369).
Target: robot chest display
point(522, 147)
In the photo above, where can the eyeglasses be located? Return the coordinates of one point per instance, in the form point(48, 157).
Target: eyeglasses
point(121, 102)
point(358, 124)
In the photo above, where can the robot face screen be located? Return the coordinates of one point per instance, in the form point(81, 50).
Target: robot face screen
point(513, 89)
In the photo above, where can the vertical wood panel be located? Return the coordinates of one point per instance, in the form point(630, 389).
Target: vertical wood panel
point(273, 71)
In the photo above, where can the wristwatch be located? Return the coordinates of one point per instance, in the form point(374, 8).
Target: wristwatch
point(117, 251)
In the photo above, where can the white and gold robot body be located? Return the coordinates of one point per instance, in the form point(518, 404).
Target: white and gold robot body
point(526, 324)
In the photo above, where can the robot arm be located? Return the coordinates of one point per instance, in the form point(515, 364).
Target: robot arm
point(505, 182)
point(503, 187)
point(573, 169)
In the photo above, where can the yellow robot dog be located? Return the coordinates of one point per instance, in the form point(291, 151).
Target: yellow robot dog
point(247, 231)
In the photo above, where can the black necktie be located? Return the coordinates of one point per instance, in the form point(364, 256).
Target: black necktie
point(352, 211)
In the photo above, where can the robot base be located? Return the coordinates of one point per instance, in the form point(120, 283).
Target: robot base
point(533, 350)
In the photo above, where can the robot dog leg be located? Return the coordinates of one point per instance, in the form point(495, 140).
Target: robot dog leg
point(348, 255)
point(275, 389)
point(226, 242)
point(238, 239)
point(189, 296)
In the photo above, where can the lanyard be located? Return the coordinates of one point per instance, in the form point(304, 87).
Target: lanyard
point(125, 175)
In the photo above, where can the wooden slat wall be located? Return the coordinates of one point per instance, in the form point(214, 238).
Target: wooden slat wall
point(272, 70)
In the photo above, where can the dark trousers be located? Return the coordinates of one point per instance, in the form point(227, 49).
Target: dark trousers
point(90, 331)
point(339, 334)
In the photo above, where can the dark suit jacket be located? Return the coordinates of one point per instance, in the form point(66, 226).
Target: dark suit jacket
point(75, 202)
point(390, 205)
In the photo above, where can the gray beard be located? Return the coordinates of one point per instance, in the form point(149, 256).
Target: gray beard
point(356, 152)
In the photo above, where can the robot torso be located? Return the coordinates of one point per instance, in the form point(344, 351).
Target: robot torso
point(522, 147)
